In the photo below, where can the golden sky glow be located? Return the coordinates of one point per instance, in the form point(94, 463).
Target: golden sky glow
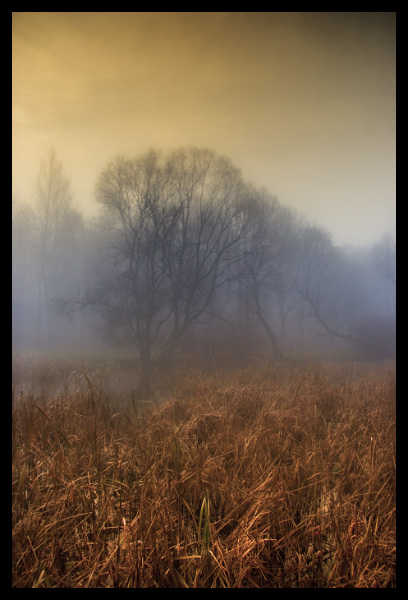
point(303, 103)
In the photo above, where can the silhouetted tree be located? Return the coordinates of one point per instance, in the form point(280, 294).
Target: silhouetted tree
point(317, 283)
point(172, 231)
point(259, 269)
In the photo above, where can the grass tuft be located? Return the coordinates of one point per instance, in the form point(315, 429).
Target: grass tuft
point(268, 478)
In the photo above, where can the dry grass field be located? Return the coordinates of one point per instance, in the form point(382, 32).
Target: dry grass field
point(269, 477)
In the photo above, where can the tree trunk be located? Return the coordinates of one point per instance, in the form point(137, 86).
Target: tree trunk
point(144, 387)
point(271, 336)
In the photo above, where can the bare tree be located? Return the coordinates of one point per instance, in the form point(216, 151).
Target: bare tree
point(318, 283)
point(171, 221)
point(385, 257)
point(56, 223)
point(259, 271)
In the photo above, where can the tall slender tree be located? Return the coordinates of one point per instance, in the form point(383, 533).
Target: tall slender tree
point(57, 222)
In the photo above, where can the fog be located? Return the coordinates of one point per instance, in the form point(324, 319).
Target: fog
point(302, 103)
point(249, 157)
point(188, 259)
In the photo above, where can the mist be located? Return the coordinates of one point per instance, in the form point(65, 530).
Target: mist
point(222, 269)
point(203, 299)
point(302, 103)
point(297, 107)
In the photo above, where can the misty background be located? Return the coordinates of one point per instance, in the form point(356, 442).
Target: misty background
point(302, 105)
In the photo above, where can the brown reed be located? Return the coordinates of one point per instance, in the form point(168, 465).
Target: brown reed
point(271, 477)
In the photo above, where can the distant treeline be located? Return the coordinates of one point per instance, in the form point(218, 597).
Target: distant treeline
point(187, 256)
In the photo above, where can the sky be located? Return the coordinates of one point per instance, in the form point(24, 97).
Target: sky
point(303, 103)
